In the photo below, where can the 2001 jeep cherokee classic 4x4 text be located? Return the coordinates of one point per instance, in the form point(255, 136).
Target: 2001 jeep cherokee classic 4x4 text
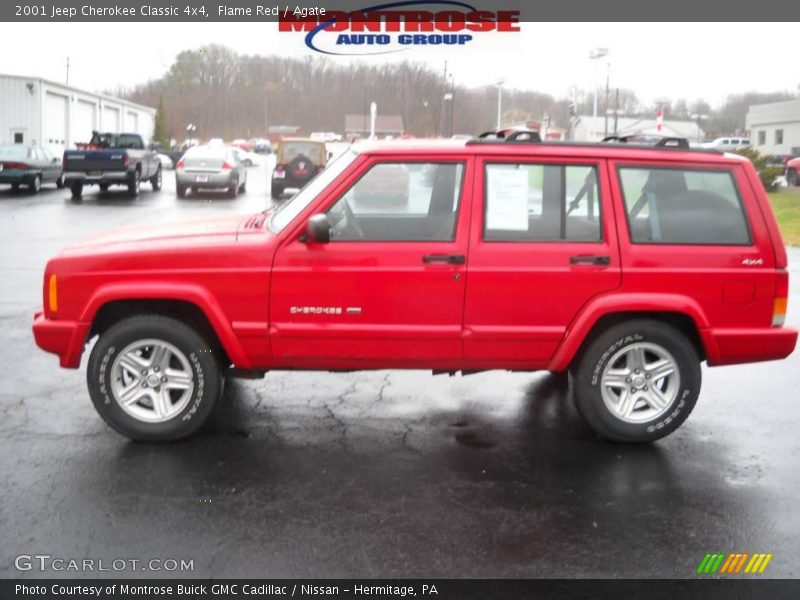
point(625, 265)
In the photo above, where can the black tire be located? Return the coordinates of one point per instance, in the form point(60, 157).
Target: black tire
point(585, 380)
point(60, 182)
point(233, 190)
point(35, 185)
point(134, 184)
point(155, 180)
point(104, 187)
point(243, 188)
point(791, 178)
point(204, 365)
point(181, 191)
point(277, 192)
point(76, 187)
point(14, 187)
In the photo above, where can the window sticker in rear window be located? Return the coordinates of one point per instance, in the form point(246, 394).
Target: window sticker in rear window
point(507, 198)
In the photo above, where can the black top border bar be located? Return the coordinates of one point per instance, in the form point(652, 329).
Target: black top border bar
point(711, 11)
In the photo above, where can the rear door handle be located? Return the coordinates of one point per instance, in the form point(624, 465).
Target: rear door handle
point(591, 260)
point(453, 259)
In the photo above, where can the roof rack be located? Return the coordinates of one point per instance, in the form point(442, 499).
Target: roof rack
point(506, 136)
point(641, 141)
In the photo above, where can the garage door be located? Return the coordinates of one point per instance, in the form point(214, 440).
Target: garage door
point(85, 121)
point(55, 117)
point(132, 122)
point(110, 119)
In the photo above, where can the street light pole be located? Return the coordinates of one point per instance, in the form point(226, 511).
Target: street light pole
point(596, 55)
point(698, 117)
point(500, 83)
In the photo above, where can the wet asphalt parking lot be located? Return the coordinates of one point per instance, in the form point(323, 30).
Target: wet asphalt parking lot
point(375, 474)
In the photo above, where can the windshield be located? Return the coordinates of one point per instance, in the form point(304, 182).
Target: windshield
point(313, 151)
point(286, 213)
point(113, 140)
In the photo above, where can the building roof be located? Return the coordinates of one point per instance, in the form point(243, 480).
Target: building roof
point(383, 123)
point(63, 86)
point(773, 112)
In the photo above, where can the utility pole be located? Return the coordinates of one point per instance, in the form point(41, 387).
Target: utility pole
point(499, 84)
point(698, 117)
point(67, 82)
point(608, 77)
point(441, 116)
point(452, 104)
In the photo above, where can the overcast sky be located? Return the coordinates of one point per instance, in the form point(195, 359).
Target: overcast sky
point(676, 60)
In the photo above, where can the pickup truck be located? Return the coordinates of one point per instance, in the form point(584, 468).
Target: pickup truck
point(625, 265)
point(112, 159)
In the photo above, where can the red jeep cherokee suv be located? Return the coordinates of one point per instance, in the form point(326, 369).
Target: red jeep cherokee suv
point(625, 265)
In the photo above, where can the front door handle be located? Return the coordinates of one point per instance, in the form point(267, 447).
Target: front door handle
point(453, 259)
point(591, 260)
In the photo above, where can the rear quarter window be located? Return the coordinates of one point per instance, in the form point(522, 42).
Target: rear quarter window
point(683, 206)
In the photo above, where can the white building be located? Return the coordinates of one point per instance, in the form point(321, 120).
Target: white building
point(775, 128)
point(594, 129)
point(56, 116)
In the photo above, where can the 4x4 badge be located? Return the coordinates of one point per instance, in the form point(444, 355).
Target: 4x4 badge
point(752, 262)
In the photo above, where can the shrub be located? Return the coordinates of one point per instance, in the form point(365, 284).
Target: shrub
point(766, 173)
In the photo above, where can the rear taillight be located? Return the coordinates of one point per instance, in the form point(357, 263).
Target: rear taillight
point(180, 164)
point(226, 166)
point(781, 298)
point(15, 166)
point(125, 159)
point(279, 169)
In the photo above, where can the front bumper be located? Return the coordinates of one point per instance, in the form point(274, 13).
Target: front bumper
point(735, 346)
point(64, 338)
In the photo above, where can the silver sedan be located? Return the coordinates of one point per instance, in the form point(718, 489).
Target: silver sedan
point(210, 168)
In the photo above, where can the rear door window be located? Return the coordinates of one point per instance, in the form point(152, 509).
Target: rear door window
point(527, 202)
point(683, 206)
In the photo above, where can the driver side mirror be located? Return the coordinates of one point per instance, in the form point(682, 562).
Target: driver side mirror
point(318, 230)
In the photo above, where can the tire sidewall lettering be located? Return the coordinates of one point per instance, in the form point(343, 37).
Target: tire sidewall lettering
point(199, 388)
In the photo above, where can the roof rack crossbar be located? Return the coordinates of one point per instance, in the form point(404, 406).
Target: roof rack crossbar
point(522, 136)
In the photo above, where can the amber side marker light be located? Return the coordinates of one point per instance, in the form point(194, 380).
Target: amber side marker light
point(52, 294)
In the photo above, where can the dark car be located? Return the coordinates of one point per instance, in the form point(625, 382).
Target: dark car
point(297, 161)
point(112, 159)
point(30, 166)
point(262, 146)
point(210, 168)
